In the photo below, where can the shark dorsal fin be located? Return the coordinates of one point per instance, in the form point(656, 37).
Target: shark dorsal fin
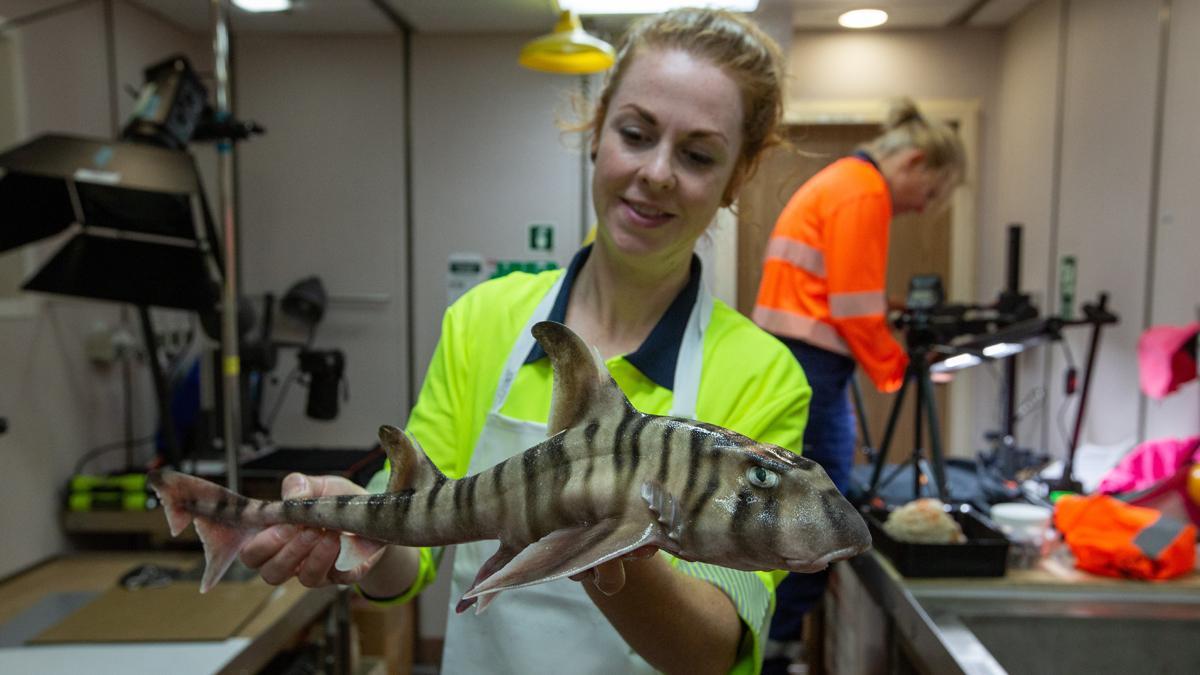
point(582, 385)
point(411, 469)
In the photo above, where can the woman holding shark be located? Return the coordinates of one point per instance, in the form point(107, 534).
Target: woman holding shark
point(690, 105)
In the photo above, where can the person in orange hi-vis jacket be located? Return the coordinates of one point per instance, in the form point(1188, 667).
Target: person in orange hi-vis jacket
point(822, 292)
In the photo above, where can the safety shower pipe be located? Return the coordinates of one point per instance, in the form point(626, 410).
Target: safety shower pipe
point(230, 361)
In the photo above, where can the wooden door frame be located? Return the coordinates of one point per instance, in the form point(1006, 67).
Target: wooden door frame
point(964, 114)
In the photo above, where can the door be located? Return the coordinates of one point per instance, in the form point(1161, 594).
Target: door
point(918, 244)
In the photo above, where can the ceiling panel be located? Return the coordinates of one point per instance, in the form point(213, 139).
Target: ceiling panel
point(537, 16)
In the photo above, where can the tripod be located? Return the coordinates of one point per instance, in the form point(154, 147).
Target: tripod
point(926, 410)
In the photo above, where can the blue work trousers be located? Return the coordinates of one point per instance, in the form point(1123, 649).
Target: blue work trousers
point(829, 440)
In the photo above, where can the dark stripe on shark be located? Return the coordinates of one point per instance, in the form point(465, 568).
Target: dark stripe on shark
point(240, 506)
point(433, 493)
point(835, 516)
point(556, 456)
point(664, 457)
point(471, 515)
point(344, 500)
point(501, 499)
point(635, 443)
point(710, 489)
point(618, 460)
point(742, 513)
point(529, 476)
point(695, 457)
point(770, 514)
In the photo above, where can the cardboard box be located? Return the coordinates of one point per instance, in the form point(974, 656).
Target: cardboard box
point(387, 632)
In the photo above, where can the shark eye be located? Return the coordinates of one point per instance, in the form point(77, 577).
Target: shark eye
point(763, 478)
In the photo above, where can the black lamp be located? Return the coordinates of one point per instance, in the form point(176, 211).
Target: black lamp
point(140, 227)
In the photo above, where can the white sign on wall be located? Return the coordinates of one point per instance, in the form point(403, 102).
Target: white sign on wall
point(463, 271)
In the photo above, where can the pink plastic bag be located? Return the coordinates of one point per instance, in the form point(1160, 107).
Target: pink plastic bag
point(1167, 358)
point(1155, 474)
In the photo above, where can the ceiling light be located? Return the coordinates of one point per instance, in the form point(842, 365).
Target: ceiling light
point(263, 5)
point(650, 6)
point(863, 18)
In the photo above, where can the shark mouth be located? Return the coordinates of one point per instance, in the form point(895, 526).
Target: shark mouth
point(810, 566)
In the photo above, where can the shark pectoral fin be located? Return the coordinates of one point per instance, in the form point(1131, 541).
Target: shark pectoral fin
point(499, 559)
point(570, 551)
point(355, 551)
point(665, 507)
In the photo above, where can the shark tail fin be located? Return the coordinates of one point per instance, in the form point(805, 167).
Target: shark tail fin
point(190, 500)
point(582, 385)
point(411, 469)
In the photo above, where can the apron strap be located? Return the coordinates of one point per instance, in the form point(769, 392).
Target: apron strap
point(689, 363)
point(525, 341)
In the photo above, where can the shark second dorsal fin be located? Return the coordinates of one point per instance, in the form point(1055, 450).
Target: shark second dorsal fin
point(582, 385)
point(411, 469)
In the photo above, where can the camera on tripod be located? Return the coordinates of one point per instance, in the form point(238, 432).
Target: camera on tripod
point(928, 320)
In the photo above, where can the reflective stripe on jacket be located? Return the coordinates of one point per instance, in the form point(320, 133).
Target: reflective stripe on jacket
point(826, 269)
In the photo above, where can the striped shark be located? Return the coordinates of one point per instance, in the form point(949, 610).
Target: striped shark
point(607, 481)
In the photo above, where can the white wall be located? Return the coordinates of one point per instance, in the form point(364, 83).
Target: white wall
point(57, 404)
point(1176, 280)
point(322, 192)
point(489, 160)
point(1100, 146)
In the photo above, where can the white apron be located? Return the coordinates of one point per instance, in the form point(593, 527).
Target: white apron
point(552, 626)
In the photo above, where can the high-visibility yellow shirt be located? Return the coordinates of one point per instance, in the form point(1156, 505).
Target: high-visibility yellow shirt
point(749, 383)
point(825, 271)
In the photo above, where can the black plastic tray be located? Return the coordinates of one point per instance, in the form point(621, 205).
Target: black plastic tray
point(985, 553)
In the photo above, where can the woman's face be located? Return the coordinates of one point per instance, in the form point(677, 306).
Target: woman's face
point(667, 149)
point(915, 187)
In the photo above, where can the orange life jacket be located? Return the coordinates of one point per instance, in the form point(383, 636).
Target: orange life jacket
point(1116, 539)
point(826, 270)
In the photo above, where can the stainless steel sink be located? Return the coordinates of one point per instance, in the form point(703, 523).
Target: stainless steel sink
point(1057, 633)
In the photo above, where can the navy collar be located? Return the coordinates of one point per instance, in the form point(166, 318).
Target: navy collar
point(656, 357)
point(862, 154)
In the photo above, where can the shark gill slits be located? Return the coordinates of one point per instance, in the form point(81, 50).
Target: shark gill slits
point(664, 457)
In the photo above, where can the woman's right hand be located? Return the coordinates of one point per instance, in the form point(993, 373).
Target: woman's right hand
point(281, 552)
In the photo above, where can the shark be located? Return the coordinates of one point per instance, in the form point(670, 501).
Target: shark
point(607, 481)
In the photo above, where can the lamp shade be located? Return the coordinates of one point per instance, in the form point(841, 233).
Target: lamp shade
point(569, 50)
point(136, 237)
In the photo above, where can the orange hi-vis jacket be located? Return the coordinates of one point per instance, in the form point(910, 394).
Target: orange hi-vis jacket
point(826, 269)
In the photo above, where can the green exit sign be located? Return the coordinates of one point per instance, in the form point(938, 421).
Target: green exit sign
point(541, 237)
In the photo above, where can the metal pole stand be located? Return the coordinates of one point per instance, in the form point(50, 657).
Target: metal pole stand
point(926, 412)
